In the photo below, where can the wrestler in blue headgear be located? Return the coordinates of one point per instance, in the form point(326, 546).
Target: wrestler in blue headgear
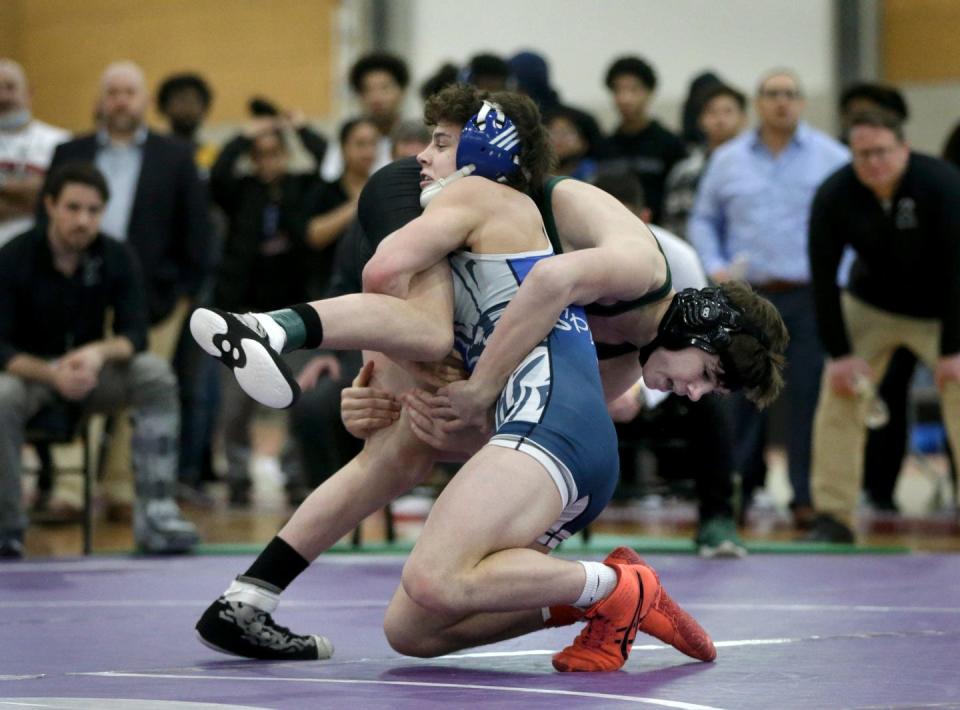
point(489, 147)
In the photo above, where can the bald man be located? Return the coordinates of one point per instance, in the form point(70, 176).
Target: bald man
point(26, 146)
point(158, 205)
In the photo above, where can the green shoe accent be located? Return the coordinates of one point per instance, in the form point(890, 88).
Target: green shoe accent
point(717, 537)
point(293, 326)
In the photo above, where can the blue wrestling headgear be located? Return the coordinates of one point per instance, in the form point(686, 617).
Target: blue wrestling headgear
point(703, 319)
point(489, 147)
point(490, 142)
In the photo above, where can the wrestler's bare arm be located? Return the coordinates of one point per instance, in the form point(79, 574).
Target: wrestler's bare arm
point(617, 260)
point(444, 227)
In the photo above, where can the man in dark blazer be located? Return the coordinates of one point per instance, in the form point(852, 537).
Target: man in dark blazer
point(162, 206)
point(159, 206)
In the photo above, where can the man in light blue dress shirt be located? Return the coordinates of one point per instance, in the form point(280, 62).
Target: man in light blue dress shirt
point(750, 221)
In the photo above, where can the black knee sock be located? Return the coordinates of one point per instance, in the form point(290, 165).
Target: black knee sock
point(278, 564)
point(302, 325)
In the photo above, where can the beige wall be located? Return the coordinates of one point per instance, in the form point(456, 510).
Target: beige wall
point(282, 49)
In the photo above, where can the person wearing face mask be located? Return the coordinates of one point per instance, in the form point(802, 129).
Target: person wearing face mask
point(184, 100)
point(26, 146)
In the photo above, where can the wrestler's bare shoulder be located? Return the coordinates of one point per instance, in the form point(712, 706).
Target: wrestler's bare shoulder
point(586, 217)
point(488, 194)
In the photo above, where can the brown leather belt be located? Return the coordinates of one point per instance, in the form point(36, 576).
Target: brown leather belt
point(779, 286)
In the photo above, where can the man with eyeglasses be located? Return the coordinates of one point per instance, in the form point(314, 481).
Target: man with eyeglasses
point(750, 221)
point(898, 210)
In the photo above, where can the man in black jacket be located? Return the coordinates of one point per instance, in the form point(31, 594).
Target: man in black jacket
point(56, 287)
point(898, 210)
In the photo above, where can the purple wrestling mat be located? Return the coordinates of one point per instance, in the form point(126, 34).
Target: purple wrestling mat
point(791, 631)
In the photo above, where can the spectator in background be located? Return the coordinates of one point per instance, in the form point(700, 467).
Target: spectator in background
point(184, 100)
point(488, 72)
point(572, 141)
point(447, 74)
point(532, 76)
point(324, 444)
point(409, 138)
point(867, 96)
point(159, 206)
point(722, 117)
point(886, 445)
point(265, 258)
point(750, 221)
point(379, 80)
point(26, 146)
point(57, 284)
point(332, 206)
point(899, 211)
point(703, 425)
point(640, 144)
point(691, 133)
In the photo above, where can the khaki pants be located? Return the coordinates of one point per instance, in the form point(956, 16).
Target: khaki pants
point(117, 480)
point(839, 432)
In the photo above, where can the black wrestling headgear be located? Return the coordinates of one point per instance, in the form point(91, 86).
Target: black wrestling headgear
point(703, 319)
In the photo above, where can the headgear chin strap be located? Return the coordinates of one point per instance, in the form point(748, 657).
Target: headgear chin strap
point(490, 142)
point(703, 319)
point(489, 147)
point(433, 189)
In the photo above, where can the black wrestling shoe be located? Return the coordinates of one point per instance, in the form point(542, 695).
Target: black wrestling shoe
point(239, 341)
point(239, 623)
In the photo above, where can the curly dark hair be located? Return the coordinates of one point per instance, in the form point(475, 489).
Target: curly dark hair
point(187, 81)
point(632, 66)
point(458, 103)
point(758, 366)
point(379, 61)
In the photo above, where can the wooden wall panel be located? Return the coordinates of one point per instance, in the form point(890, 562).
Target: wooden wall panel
point(920, 40)
point(11, 12)
point(283, 49)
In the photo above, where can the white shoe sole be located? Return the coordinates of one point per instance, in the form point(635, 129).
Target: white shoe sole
point(262, 375)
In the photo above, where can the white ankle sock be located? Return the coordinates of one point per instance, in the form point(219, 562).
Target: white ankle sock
point(601, 580)
point(253, 595)
point(275, 334)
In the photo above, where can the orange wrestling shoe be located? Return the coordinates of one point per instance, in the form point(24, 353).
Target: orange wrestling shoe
point(605, 644)
point(671, 624)
point(566, 614)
